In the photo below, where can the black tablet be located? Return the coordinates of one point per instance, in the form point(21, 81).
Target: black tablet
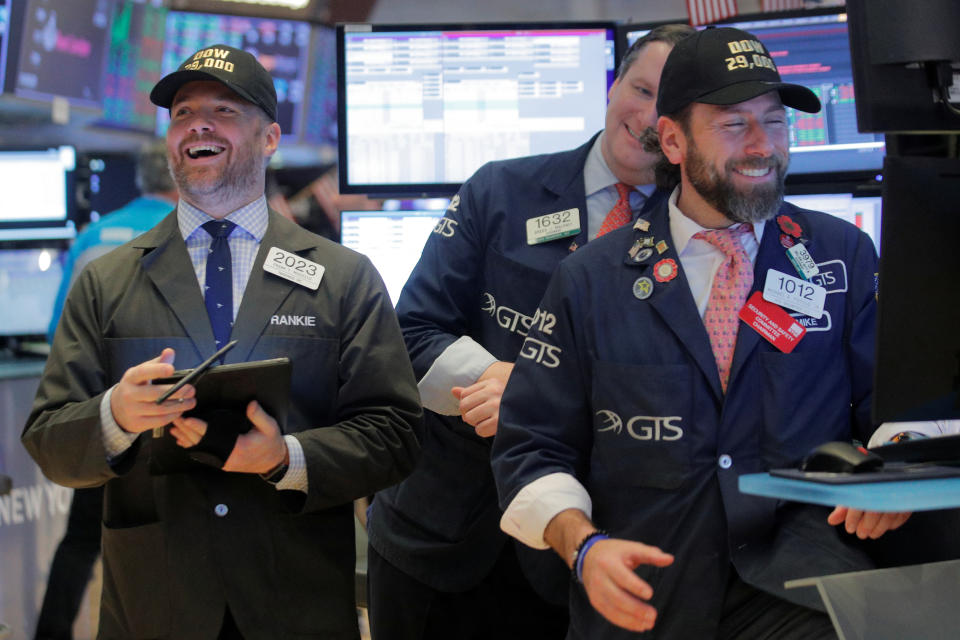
point(223, 393)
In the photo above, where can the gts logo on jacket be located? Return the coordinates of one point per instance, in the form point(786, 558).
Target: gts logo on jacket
point(642, 427)
point(510, 319)
point(446, 227)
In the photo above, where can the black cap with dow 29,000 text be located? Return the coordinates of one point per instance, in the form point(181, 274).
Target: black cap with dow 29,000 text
point(239, 70)
point(723, 65)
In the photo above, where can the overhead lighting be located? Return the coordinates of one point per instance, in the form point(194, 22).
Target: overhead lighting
point(287, 4)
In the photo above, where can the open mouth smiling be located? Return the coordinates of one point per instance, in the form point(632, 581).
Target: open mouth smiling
point(753, 173)
point(204, 150)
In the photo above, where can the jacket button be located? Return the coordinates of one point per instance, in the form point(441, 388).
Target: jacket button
point(221, 510)
point(725, 461)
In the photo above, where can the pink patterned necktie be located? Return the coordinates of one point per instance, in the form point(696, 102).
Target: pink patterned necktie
point(620, 214)
point(731, 284)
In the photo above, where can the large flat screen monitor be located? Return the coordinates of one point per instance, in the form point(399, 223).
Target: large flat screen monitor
point(5, 37)
point(106, 181)
point(63, 50)
point(812, 48)
point(281, 46)
point(918, 323)
point(37, 193)
point(864, 211)
point(420, 108)
point(320, 115)
point(134, 57)
point(393, 240)
point(906, 55)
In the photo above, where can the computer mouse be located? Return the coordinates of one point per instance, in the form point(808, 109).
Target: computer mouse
point(841, 457)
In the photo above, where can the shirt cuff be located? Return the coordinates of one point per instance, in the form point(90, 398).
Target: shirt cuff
point(296, 476)
point(115, 440)
point(460, 365)
point(931, 429)
point(532, 509)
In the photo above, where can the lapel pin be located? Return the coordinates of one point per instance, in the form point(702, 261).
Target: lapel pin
point(642, 288)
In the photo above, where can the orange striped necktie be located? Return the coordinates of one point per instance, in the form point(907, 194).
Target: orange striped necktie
point(731, 284)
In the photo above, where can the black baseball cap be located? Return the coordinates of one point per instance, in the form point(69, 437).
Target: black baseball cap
point(236, 68)
point(723, 65)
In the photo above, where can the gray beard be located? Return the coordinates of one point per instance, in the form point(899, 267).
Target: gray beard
point(233, 180)
point(756, 205)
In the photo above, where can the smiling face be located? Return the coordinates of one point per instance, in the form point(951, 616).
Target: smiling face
point(631, 109)
point(733, 160)
point(218, 145)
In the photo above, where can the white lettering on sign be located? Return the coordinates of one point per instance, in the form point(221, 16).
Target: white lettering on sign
point(36, 502)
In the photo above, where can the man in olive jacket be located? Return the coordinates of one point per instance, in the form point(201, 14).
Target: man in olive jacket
point(262, 548)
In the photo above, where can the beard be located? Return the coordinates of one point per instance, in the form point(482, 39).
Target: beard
point(230, 181)
point(752, 204)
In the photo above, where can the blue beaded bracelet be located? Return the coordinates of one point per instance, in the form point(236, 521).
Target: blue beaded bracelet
point(582, 549)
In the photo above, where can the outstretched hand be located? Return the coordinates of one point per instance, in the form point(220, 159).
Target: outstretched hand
point(613, 588)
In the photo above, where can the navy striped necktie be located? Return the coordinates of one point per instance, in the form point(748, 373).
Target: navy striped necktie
point(218, 291)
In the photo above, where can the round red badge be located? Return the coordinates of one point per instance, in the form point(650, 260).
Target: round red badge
point(665, 270)
point(787, 241)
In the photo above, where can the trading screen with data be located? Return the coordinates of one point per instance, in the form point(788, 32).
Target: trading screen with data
point(430, 106)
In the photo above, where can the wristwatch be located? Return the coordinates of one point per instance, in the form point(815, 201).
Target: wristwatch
point(276, 474)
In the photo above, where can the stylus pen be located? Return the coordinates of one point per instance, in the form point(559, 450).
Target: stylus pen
point(197, 372)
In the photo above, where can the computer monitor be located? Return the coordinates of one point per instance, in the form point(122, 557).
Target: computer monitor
point(106, 181)
point(812, 48)
point(281, 46)
point(134, 56)
point(5, 40)
point(393, 240)
point(63, 51)
point(29, 280)
point(320, 115)
point(864, 211)
point(918, 325)
point(37, 193)
point(421, 107)
point(905, 55)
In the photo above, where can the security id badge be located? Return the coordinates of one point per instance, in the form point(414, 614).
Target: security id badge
point(794, 293)
point(774, 324)
point(292, 267)
point(802, 261)
point(553, 226)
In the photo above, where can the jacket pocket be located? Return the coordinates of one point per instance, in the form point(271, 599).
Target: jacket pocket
point(136, 598)
point(806, 401)
point(641, 418)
